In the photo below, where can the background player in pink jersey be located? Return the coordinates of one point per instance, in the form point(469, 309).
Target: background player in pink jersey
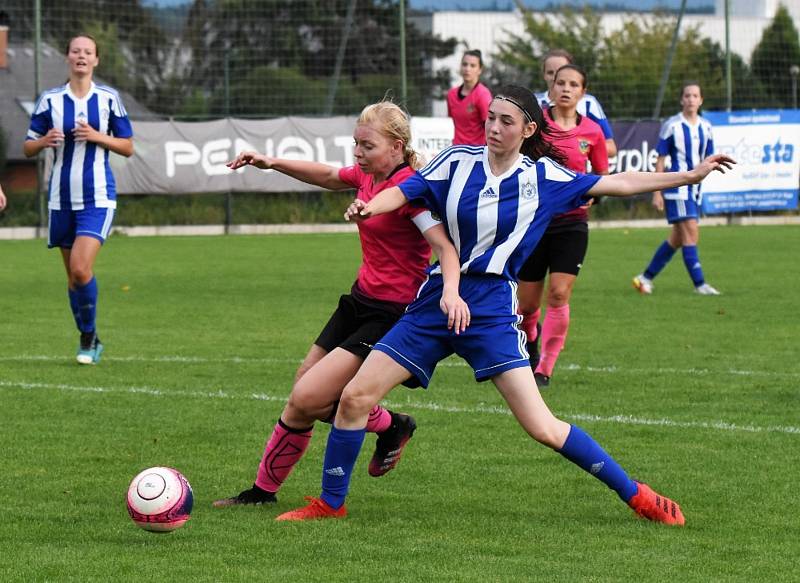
point(395, 255)
point(563, 247)
point(468, 103)
point(588, 105)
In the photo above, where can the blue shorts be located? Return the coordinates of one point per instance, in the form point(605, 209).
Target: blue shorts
point(66, 225)
point(493, 343)
point(681, 210)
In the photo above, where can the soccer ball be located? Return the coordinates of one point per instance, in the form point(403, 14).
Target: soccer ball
point(160, 499)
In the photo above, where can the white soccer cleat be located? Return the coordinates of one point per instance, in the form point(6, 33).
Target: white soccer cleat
point(706, 290)
point(644, 285)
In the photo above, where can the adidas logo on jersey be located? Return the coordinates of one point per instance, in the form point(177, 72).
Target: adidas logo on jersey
point(489, 193)
point(337, 471)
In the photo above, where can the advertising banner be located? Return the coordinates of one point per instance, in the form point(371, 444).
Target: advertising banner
point(765, 145)
point(190, 157)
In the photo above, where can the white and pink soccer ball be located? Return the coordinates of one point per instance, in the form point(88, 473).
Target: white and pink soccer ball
point(160, 499)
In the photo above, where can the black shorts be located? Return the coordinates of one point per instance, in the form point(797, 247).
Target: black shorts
point(356, 325)
point(559, 251)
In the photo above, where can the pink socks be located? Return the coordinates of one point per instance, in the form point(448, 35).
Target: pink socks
point(529, 322)
point(379, 420)
point(286, 446)
point(283, 450)
point(554, 333)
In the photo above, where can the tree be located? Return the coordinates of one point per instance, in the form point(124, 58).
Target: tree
point(227, 40)
point(772, 58)
point(625, 67)
point(519, 59)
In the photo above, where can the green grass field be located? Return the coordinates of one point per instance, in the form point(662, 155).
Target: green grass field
point(696, 395)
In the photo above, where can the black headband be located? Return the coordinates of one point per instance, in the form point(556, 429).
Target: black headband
point(524, 111)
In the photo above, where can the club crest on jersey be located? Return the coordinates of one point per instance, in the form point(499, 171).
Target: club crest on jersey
point(584, 145)
point(528, 190)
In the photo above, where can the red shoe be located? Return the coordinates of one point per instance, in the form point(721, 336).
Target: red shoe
point(653, 506)
point(315, 510)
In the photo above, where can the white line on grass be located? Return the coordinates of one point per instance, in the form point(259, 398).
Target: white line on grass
point(457, 363)
point(429, 406)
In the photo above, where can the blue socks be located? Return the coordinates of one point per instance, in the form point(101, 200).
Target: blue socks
point(692, 261)
point(86, 297)
point(586, 453)
point(663, 254)
point(73, 304)
point(340, 457)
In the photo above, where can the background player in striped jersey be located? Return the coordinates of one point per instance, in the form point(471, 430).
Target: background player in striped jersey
point(468, 103)
point(686, 138)
point(588, 106)
point(496, 202)
point(82, 122)
point(396, 251)
point(563, 246)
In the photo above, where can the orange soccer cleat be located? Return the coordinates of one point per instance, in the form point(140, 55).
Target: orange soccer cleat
point(315, 510)
point(653, 506)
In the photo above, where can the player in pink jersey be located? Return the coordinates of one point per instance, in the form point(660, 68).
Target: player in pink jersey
point(563, 246)
point(468, 103)
point(396, 252)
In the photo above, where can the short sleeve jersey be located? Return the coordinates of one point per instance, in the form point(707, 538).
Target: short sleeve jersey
point(395, 255)
point(588, 106)
point(469, 114)
point(584, 145)
point(495, 222)
point(81, 177)
point(686, 144)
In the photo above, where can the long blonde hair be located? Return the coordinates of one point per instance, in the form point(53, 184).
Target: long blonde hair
point(393, 123)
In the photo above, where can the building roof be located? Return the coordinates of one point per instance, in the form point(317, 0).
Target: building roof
point(17, 95)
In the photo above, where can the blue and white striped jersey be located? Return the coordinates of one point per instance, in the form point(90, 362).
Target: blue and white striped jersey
point(81, 176)
point(495, 222)
point(588, 106)
point(686, 144)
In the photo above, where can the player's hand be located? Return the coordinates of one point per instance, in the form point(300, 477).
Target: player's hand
point(718, 162)
point(356, 211)
point(250, 159)
point(3, 200)
point(83, 132)
point(658, 201)
point(458, 316)
point(53, 138)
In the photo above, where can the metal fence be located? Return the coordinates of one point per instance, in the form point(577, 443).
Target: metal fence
point(268, 58)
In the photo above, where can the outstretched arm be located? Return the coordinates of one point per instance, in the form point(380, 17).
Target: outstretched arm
point(385, 201)
point(457, 311)
point(315, 173)
point(628, 183)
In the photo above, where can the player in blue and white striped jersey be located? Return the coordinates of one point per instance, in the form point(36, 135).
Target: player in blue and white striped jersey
point(495, 202)
point(686, 138)
point(83, 123)
point(588, 105)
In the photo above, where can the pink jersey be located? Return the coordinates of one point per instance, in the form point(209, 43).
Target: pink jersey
point(583, 144)
point(469, 114)
point(394, 253)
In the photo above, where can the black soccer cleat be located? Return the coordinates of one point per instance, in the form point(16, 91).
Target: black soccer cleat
point(542, 380)
point(533, 348)
point(389, 445)
point(255, 496)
